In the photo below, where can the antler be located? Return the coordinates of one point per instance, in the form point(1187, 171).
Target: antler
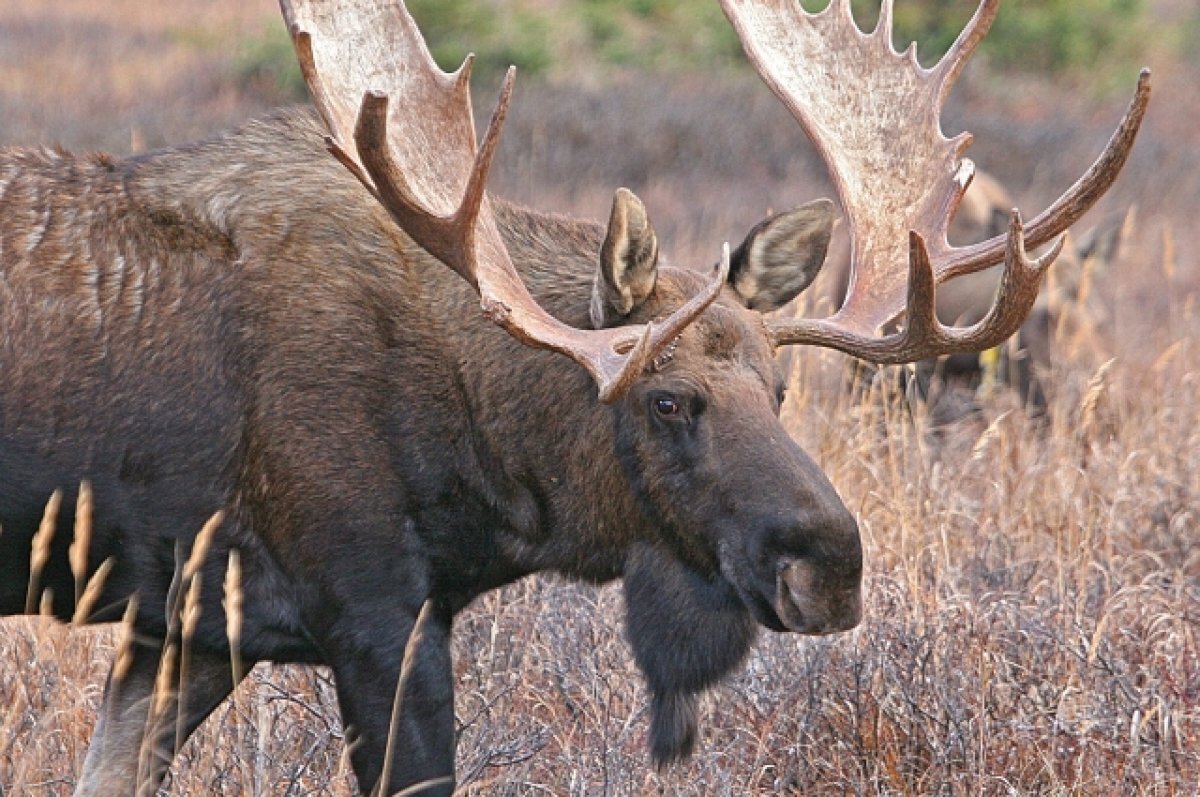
point(874, 116)
point(406, 130)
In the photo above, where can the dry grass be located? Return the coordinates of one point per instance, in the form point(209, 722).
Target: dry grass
point(1033, 591)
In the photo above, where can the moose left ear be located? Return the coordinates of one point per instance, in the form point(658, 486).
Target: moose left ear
point(782, 255)
point(628, 262)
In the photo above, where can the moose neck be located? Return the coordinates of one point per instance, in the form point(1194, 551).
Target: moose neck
point(536, 411)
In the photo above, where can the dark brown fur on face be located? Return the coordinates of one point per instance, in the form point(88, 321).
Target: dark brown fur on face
point(238, 325)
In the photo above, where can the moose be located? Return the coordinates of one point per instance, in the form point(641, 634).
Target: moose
point(949, 384)
point(281, 325)
point(1066, 306)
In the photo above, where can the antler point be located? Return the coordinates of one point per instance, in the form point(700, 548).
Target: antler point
point(495, 309)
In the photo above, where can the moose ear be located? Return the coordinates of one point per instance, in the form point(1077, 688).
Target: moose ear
point(628, 262)
point(782, 255)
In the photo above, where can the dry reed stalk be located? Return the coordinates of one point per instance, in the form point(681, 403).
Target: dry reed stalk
point(1053, 283)
point(39, 553)
point(1091, 399)
point(125, 653)
point(1164, 361)
point(171, 685)
point(77, 554)
point(1168, 263)
point(406, 667)
point(191, 617)
point(165, 680)
point(184, 616)
point(233, 604)
point(201, 545)
point(191, 610)
point(160, 704)
point(1169, 266)
point(1087, 279)
point(46, 606)
point(345, 766)
point(91, 592)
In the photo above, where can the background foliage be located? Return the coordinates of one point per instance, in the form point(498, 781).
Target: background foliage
point(1085, 39)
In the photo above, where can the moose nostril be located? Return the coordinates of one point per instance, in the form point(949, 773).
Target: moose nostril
point(809, 601)
point(812, 561)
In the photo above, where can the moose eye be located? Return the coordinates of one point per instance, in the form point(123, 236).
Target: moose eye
point(666, 407)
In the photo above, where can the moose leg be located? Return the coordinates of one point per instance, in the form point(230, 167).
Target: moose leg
point(135, 741)
point(367, 672)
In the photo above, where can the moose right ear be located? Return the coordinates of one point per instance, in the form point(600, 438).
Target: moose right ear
point(782, 255)
point(628, 262)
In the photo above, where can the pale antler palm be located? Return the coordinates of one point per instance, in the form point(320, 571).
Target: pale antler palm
point(874, 116)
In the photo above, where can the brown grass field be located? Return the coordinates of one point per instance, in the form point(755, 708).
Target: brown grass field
point(1032, 622)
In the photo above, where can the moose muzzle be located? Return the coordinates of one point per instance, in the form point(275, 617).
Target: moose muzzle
point(811, 598)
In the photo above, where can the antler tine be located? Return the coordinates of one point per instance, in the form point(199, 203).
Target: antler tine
point(923, 335)
point(874, 116)
point(450, 237)
point(883, 26)
point(406, 130)
point(951, 65)
point(1074, 202)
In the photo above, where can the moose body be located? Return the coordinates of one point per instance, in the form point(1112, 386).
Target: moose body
point(240, 325)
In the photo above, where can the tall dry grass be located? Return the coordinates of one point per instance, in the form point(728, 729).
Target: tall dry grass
point(1033, 588)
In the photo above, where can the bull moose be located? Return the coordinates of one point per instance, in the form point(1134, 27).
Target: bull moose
point(282, 323)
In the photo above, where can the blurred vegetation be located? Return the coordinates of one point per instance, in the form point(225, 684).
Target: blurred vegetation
point(266, 64)
point(671, 34)
point(1097, 40)
point(1188, 37)
point(570, 35)
point(499, 33)
point(1083, 37)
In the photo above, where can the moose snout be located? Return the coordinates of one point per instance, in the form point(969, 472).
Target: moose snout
point(818, 578)
point(806, 601)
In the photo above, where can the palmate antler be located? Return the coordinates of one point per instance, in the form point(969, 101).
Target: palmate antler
point(874, 116)
point(406, 130)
